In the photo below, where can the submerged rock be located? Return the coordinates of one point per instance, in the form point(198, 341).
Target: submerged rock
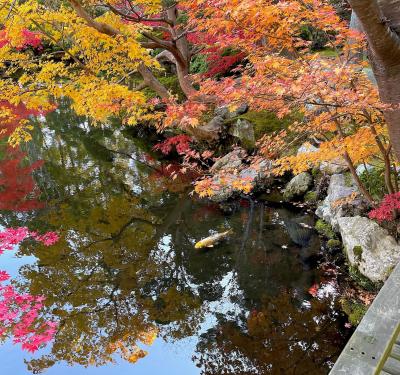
point(335, 205)
point(298, 186)
point(369, 247)
point(299, 232)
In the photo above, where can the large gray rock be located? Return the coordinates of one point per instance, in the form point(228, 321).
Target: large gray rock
point(241, 110)
point(223, 191)
point(231, 161)
point(222, 112)
point(298, 186)
point(225, 112)
point(244, 131)
point(335, 166)
point(209, 132)
point(259, 174)
point(369, 247)
point(230, 171)
point(340, 187)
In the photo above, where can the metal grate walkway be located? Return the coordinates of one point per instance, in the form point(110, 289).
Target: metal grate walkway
point(391, 363)
point(374, 348)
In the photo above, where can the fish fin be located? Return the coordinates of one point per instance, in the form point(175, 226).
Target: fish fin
point(210, 246)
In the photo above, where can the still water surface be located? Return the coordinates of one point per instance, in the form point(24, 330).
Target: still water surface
point(125, 270)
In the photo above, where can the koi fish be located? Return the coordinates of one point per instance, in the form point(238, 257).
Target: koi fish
point(213, 240)
point(314, 290)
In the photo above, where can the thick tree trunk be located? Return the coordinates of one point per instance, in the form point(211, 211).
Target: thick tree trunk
point(185, 81)
point(380, 21)
point(153, 82)
point(388, 79)
point(182, 44)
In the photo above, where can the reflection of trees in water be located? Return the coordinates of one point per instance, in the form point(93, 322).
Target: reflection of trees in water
point(125, 268)
point(18, 191)
point(104, 280)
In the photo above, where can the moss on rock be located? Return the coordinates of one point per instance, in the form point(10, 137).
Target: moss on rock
point(316, 173)
point(266, 122)
point(348, 179)
point(333, 244)
point(362, 280)
point(354, 310)
point(324, 229)
point(311, 197)
point(357, 250)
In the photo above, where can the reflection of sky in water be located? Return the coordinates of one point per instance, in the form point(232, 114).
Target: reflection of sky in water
point(163, 358)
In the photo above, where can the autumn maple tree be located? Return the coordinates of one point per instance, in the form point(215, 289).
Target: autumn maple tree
point(340, 106)
point(93, 50)
point(109, 58)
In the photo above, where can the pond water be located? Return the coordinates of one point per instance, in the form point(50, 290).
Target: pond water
point(125, 279)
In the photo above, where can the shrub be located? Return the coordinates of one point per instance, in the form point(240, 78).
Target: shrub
point(388, 209)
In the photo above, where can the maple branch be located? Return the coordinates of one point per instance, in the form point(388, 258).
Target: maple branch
point(103, 28)
point(384, 152)
point(169, 46)
point(351, 166)
point(73, 57)
point(178, 47)
point(138, 18)
point(151, 81)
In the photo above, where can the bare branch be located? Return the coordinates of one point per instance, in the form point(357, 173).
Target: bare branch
point(138, 17)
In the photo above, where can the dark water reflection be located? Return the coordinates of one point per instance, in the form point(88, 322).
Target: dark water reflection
point(125, 270)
